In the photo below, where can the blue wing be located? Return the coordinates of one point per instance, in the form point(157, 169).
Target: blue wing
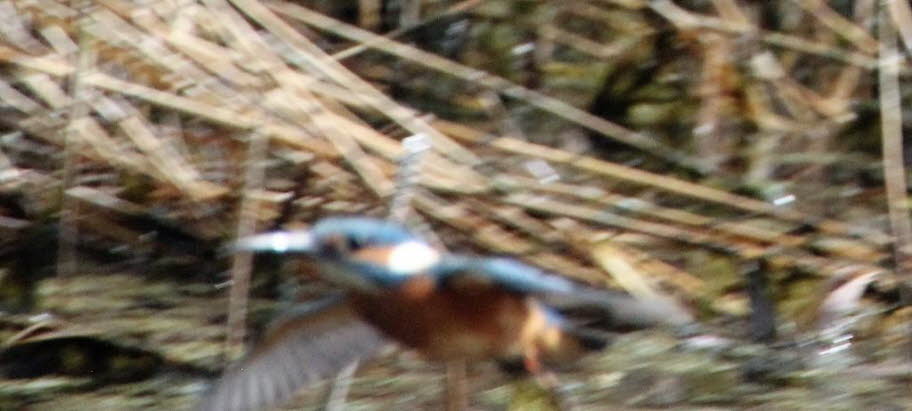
point(505, 273)
point(364, 230)
point(610, 309)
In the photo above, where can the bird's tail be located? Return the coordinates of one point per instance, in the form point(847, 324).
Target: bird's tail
point(552, 341)
point(615, 312)
point(585, 322)
point(554, 344)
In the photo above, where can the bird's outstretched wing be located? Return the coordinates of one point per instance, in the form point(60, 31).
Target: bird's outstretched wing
point(306, 345)
point(602, 309)
point(509, 275)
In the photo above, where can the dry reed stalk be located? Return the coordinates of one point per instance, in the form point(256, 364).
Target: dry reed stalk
point(327, 66)
point(478, 77)
point(242, 263)
point(16, 99)
point(893, 159)
point(840, 25)
point(687, 20)
point(647, 209)
point(83, 59)
point(901, 16)
point(593, 48)
point(359, 48)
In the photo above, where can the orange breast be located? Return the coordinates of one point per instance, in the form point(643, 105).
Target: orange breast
point(449, 325)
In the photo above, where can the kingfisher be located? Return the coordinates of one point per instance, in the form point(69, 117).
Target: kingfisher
point(394, 286)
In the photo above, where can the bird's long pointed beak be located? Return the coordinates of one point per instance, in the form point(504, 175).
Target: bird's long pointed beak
point(280, 242)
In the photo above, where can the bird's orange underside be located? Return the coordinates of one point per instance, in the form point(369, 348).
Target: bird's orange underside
point(449, 324)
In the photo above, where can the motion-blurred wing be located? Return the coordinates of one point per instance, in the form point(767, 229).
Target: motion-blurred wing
point(507, 274)
point(590, 315)
point(310, 343)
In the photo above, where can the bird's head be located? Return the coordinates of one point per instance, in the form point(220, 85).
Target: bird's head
point(377, 251)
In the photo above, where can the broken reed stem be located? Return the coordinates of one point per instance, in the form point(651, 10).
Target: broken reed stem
point(243, 261)
point(67, 260)
point(891, 129)
point(407, 176)
point(901, 15)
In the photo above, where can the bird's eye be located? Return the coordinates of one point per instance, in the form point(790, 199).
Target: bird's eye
point(353, 244)
point(337, 246)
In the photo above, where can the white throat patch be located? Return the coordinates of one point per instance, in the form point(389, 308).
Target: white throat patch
point(412, 257)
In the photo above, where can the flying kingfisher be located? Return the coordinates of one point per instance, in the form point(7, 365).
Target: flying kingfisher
point(394, 286)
